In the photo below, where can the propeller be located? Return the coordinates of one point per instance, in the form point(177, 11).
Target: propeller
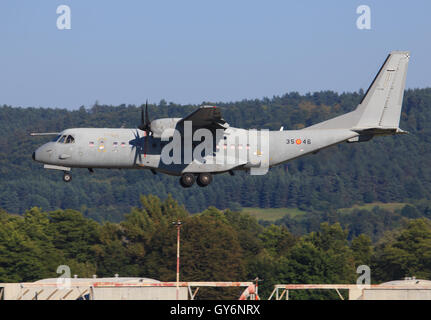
point(145, 125)
point(137, 147)
point(145, 119)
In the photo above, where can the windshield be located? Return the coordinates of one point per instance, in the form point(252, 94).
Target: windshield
point(65, 139)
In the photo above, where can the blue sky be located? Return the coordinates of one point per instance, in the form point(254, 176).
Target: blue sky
point(191, 51)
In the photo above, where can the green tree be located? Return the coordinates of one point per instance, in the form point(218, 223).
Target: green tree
point(362, 249)
point(409, 254)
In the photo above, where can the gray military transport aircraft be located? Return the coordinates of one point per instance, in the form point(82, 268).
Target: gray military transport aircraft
point(203, 144)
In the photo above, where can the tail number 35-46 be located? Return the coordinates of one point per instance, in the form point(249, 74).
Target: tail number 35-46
point(298, 141)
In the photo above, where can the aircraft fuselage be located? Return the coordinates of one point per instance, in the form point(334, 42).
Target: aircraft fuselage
point(125, 149)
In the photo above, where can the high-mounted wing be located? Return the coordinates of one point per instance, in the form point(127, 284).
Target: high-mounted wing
point(205, 117)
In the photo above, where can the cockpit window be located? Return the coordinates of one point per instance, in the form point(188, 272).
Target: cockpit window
point(66, 139)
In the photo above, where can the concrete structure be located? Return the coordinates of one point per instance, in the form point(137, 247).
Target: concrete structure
point(407, 289)
point(106, 289)
point(90, 289)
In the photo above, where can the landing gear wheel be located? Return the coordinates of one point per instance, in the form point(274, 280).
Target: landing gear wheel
point(67, 177)
point(187, 180)
point(204, 179)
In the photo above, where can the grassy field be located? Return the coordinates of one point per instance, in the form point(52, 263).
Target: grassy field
point(273, 214)
point(392, 206)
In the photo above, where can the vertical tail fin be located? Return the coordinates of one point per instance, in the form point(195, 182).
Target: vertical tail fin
point(380, 107)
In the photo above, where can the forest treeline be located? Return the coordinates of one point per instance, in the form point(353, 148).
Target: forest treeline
point(372, 222)
point(216, 245)
point(386, 169)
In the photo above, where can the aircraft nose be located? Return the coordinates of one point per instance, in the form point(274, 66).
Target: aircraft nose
point(38, 154)
point(43, 153)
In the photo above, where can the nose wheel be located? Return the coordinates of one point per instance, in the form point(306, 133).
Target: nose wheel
point(67, 177)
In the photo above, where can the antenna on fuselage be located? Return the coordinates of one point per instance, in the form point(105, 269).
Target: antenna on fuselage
point(44, 133)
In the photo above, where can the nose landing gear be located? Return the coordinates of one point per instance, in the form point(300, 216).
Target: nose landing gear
point(67, 177)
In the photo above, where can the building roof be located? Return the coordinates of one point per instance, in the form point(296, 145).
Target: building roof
point(113, 279)
point(408, 282)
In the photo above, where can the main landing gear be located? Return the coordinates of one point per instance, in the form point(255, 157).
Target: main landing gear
point(203, 179)
point(187, 180)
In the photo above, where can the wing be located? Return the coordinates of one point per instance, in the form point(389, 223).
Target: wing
point(206, 117)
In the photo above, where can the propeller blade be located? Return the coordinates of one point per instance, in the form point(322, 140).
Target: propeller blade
point(142, 125)
point(145, 143)
point(145, 125)
point(147, 118)
point(136, 146)
point(142, 116)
